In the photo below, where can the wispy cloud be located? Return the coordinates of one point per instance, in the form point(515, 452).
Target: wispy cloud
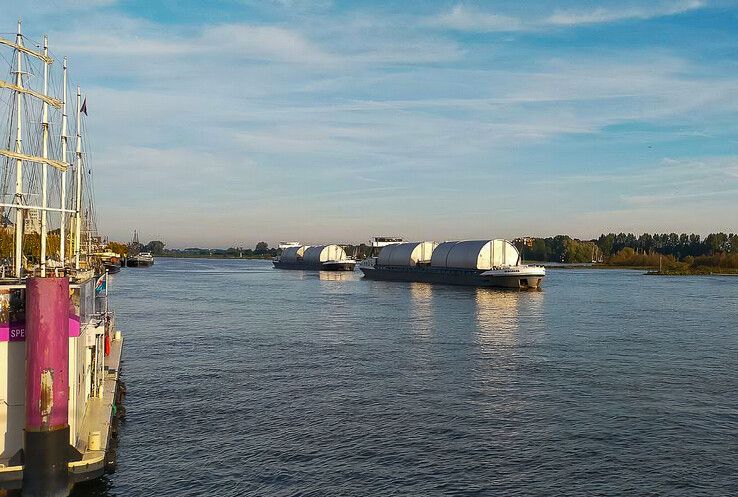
point(363, 110)
point(624, 13)
point(240, 41)
point(464, 18)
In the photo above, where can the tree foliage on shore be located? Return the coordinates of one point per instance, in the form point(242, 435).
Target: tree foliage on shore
point(118, 248)
point(560, 248)
point(31, 245)
point(260, 251)
point(669, 251)
point(677, 245)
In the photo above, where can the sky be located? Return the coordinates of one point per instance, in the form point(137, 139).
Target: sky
point(226, 122)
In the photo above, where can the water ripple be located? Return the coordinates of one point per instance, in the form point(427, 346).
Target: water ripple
point(243, 380)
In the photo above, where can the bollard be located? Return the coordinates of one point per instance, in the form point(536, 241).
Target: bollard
point(46, 451)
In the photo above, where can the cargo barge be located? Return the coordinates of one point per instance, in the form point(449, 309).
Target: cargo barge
point(485, 263)
point(144, 259)
point(315, 258)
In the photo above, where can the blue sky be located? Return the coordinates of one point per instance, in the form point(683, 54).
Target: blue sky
point(225, 122)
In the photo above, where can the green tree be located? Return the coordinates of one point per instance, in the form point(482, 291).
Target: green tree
point(118, 248)
point(156, 247)
point(261, 248)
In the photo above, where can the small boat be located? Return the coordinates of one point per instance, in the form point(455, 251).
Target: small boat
point(144, 259)
point(317, 258)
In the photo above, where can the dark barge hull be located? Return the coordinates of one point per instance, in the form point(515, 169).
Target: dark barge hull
point(138, 263)
point(329, 266)
point(450, 276)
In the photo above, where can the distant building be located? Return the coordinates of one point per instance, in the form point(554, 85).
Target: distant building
point(524, 241)
point(383, 241)
point(32, 223)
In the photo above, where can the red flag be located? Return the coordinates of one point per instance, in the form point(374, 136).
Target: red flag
point(84, 106)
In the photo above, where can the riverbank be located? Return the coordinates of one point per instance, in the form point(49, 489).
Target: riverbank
point(214, 256)
point(682, 270)
point(696, 272)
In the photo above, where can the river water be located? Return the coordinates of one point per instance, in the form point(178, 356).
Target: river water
point(246, 380)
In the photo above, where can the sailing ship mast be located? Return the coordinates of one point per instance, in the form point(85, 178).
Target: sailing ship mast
point(78, 178)
point(63, 194)
point(19, 203)
point(18, 199)
point(45, 155)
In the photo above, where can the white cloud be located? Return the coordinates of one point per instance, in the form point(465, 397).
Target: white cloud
point(624, 13)
point(269, 43)
point(253, 119)
point(463, 18)
point(139, 39)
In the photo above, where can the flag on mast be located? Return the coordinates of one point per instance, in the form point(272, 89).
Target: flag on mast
point(84, 106)
point(102, 283)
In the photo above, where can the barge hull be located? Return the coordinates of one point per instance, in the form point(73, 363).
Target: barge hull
point(329, 266)
point(447, 276)
point(137, 263)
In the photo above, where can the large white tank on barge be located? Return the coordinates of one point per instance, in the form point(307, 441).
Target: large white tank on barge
point(406, 254)
point(319, 254)
point(475, 254)
point(493, 263)
point(294, 253)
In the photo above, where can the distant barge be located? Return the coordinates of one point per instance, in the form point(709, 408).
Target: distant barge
point(144, 259)
point(485, 263)
point(316, 258)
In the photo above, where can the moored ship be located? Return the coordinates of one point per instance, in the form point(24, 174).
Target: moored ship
point(144, 259)
point(489, 263)
point(316, 257)
point(60, 389)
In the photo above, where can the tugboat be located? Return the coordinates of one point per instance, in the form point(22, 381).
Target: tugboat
point(489, 263)
point(316, 257)
point(60, 388)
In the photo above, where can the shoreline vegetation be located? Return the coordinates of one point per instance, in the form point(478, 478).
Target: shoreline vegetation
point(661, 254)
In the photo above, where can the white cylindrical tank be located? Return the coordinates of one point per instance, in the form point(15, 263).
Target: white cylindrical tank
point(475, 254)
point(406, 254)
point(292, 254)
point(322, 253)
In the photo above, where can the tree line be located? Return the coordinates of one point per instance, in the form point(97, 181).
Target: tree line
point(678, 245)
point(261, 250)
point(630, 249)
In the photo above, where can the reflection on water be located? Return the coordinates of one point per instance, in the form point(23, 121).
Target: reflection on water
point(336, 275)
point(271, 382)
point(498, 315)
point(421, 309)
